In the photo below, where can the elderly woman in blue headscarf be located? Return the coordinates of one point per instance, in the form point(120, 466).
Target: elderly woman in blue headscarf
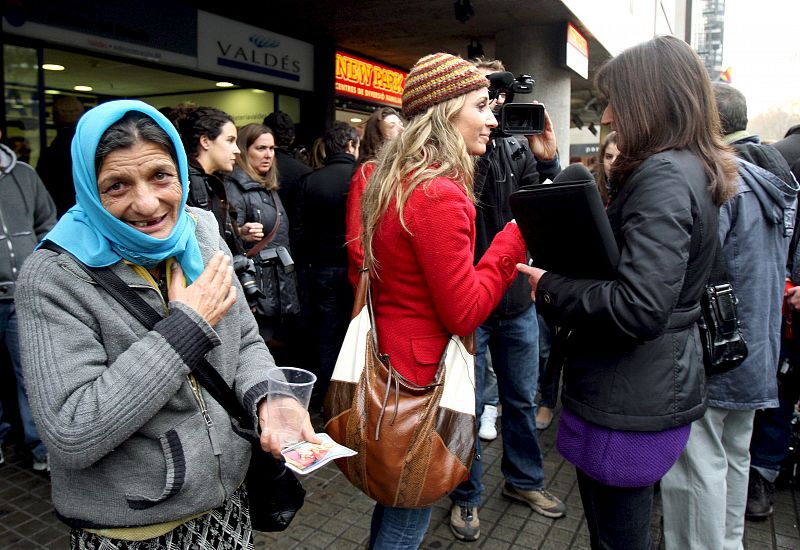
point(141, 455)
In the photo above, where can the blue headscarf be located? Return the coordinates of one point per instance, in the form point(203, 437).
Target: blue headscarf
point(97, 238)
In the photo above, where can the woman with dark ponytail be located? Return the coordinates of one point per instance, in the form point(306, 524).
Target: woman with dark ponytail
point(209, 137)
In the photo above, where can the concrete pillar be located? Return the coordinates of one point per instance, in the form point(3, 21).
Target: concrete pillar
point(537, 51)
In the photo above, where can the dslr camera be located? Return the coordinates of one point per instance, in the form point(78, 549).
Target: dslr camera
point(245, 269)
point(524, 119)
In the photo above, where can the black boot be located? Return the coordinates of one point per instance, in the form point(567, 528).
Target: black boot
point(759, 497)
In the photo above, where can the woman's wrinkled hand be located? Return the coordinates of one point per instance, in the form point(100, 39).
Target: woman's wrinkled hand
point(534, 274)
point(252, 232)
point(271, 430)
point(212, 294)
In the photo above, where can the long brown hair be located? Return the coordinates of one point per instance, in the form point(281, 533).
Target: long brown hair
point(247, 136)
point(661, 98)
point(373, 137)
point(600, 167)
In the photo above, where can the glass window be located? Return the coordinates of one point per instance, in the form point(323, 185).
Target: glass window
point(291, 106)
point(22, 102)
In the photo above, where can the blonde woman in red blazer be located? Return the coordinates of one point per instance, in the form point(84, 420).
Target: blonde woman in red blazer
point(419, 236)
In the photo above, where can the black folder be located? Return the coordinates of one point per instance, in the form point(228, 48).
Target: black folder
point(566, 229)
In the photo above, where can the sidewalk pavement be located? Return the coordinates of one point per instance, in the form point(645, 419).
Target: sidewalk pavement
point(336, 516)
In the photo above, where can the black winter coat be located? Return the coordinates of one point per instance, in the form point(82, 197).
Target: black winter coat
point(290, 176)
point(634, 360)
point(207, 191)
point(507, 166)
point(789, 147)
point(323, 206)
point(250, 202)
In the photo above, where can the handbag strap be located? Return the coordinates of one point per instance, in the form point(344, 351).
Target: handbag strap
point(259, 246)
point(719, 273)
point(204, 372)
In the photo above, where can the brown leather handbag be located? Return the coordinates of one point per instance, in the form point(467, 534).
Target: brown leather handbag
point(415, 443)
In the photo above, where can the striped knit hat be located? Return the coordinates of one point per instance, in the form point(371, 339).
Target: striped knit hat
point(437, 78)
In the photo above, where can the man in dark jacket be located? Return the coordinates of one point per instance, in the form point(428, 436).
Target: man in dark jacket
point(704, 493)
point(789, 147)
point(290, 170)
point(27, 213)
point(55, 163)
point(321, 232)
point(511, 335)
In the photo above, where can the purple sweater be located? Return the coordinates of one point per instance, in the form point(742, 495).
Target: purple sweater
point(616, 457)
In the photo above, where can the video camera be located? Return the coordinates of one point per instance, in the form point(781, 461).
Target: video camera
point(515, 118)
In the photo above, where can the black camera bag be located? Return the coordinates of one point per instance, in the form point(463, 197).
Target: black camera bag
point(724, 347)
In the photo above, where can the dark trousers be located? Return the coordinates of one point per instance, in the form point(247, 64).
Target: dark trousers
point(332, 305)
point(618, 517)
point(772, 428)
point(549, 372)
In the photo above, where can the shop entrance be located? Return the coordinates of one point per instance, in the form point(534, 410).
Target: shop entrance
point(47, 89)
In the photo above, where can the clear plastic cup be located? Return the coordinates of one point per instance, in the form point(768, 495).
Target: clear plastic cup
point(288, 396)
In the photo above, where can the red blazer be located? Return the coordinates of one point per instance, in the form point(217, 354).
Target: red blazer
point(426, 286)
point(355, 249)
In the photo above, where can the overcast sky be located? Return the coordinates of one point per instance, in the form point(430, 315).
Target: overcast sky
point(762, 45)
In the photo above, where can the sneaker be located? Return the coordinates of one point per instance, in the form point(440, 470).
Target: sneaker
point(759, 497)
point(41, 464)
point(464, 522)
point(488, 428)
point(540, 500)
point(544, 416)
point(2, 458)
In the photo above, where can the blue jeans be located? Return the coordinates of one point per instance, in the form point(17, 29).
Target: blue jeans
point(10, 336)
point(332, 304)
point(490, 395)
point(514, 345)
point(398, 528)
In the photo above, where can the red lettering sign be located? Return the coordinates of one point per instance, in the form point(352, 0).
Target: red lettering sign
point(368, 81)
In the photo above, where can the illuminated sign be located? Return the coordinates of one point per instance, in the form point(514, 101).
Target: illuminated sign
point(368, 81)
point(577, 57)
point(228, 47)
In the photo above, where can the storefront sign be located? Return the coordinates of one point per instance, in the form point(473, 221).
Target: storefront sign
point(583, 149)
point(577, 57)
point(134, 32)
point(231, 48)
point(368, 81)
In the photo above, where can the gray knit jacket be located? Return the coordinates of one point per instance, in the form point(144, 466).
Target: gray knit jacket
point(128, 442)
point(27, 213)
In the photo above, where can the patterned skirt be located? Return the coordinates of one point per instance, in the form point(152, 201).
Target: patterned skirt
point(227, 527)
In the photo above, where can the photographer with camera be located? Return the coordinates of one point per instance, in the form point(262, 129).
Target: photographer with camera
point(511, 333)
point(264, 231)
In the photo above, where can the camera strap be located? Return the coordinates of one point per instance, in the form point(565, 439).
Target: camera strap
point(259, 246)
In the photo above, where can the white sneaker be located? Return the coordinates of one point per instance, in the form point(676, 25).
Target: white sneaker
point(41, 465)
point(488, 430)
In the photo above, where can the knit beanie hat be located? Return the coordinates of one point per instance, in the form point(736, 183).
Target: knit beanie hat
point(437, 78)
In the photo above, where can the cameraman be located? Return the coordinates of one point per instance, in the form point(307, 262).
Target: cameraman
point(511, 334)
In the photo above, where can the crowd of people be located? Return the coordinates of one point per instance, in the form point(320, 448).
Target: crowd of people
point(248, 258)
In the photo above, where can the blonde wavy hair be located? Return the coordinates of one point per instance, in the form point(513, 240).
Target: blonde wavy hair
point(431, 146)
point(246, 137)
